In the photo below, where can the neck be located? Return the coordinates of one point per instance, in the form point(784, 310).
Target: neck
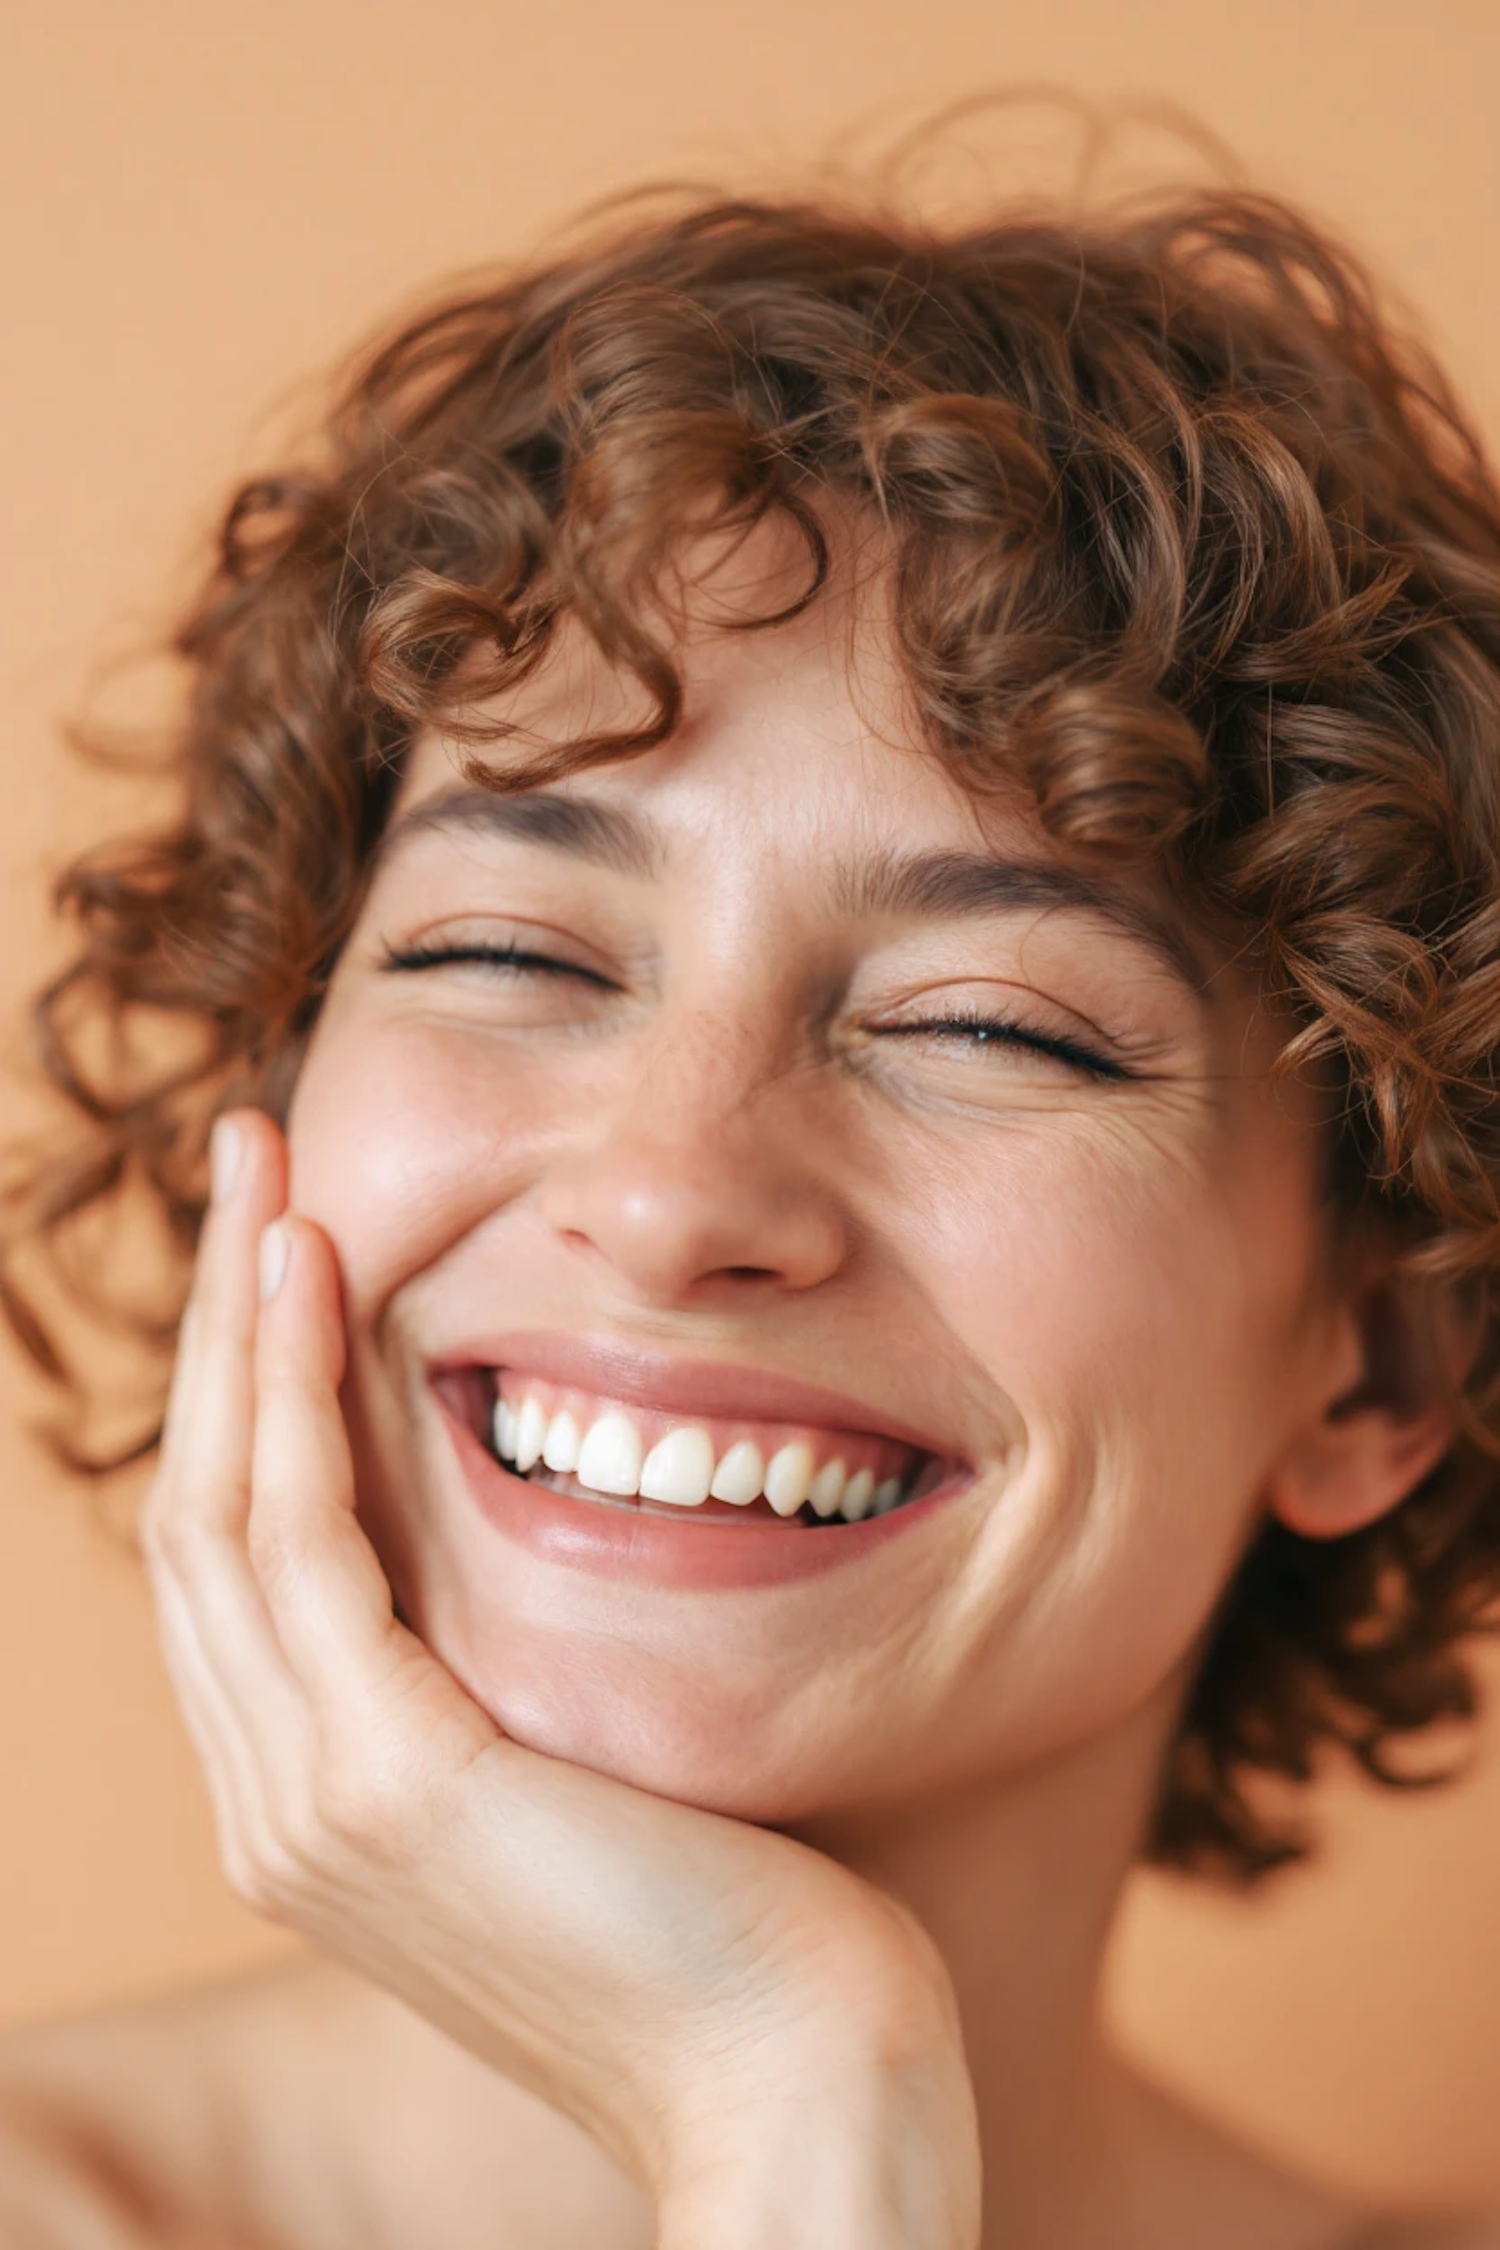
point(1017, 1880)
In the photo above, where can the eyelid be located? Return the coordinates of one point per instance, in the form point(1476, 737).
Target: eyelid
point(1072, 1054)
point(1098, 1062)
point(520, 960)
point(549, 950)
point(990, 998)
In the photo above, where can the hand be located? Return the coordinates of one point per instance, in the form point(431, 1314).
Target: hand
point(766, 2041)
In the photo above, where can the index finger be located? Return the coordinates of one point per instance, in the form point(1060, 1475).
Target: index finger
point(211, 1409)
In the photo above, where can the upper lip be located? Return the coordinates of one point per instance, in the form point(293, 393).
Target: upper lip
point(719, 1390)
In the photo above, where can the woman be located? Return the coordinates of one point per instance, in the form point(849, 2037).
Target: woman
point(838, 891)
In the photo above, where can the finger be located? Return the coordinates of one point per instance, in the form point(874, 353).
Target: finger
point(230, 1773)
point(211, 1410)
point(233, 1693)
point(221, 1647)
point(329, 1599)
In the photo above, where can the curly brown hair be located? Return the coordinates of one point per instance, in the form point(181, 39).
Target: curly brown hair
point(1186, 533)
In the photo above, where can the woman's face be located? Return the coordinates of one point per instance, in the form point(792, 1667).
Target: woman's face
point(743, 1127)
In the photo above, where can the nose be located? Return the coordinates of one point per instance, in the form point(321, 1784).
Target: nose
point(701, 1173)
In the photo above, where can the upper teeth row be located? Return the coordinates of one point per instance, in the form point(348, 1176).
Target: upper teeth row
point(682, 1468)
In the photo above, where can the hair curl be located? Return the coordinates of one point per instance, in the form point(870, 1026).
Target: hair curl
point(1185, 534)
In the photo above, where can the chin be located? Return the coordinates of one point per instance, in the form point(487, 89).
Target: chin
point(643, 1725)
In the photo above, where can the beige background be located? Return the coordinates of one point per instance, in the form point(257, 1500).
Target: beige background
point(200, 204)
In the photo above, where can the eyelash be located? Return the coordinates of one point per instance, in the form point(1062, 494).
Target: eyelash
point(983, 1030)
point(512, 957)
point(994, 1031)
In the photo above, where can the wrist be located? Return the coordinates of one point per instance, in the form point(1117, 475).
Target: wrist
point(850, 2152)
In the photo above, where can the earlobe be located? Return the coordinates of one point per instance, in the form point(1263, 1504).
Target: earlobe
point(1355, 1467)
point(1375, 1437)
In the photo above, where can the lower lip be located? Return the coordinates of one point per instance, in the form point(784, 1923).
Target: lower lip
point(654, 1550)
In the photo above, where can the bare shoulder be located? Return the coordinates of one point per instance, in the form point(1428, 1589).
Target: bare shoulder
point(1475, 2230)
point(289, 2110)
point(104, 2117)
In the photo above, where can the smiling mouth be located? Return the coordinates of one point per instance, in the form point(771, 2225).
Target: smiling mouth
point(704, 1469)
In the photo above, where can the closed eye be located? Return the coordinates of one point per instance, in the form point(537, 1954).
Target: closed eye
point(513, 960)
point(1000, 1031)
point(976, 1031)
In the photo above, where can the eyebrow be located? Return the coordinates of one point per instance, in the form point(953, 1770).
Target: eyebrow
point(947, 885)
point(609, 836)
point(951, 885)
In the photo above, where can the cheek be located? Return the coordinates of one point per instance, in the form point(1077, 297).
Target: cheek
point(401, 1142)
point(1141, 1319)
point(1094, 1275)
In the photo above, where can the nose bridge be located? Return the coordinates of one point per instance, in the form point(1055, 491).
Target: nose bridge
point(713, 1062)
point(700, 1166)
point(704, 1102)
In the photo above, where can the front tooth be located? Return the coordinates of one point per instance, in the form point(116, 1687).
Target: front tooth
point(610, 1457)
point(886, 1496)
point(789, 1476)
point(827, 1489)
point(561, 1449)
point(740, 1475)
point(531, 1432)
point(505, 1429)
point(679, 1468)
point(857, 1495)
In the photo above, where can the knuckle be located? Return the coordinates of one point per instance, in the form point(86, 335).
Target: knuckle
point(252, 1883)
point(357, 1805)
point(173, 1536)
point(269, 1876)
point(183, 1532)
point(319, 1846)
point(276, 1547)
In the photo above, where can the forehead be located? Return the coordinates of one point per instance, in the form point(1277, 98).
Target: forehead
point(792, 747)
point(829, 673)
point(778, 775)
point(797, 751)
point(788, 735)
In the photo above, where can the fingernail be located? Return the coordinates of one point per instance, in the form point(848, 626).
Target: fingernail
point(275, 1253)
point(224, 1145)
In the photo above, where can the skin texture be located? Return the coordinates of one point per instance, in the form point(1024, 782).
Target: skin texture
point(1107, 1296)
point(693, 1869)
point(1102, 1295)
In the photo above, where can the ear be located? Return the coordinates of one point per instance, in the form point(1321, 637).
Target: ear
point(1383, 1421)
